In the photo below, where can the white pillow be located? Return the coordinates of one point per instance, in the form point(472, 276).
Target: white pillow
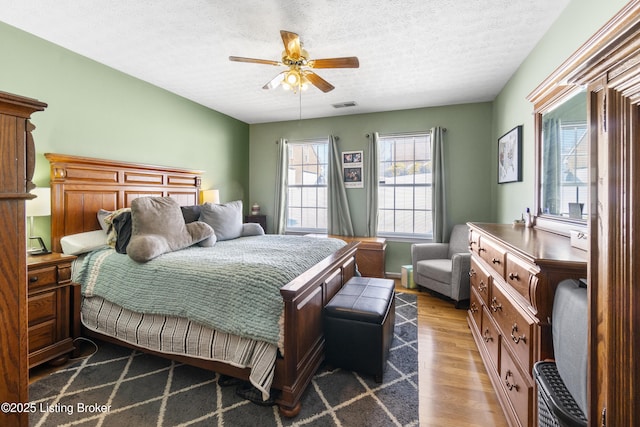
point(75, 244)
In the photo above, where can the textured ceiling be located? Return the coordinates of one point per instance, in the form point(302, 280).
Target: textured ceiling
point(413, 53)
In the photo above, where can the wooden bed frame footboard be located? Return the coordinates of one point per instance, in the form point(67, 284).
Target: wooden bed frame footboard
point(81, 186)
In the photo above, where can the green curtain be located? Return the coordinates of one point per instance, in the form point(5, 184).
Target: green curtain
point(370, 180)
point(438, 187)
point(281, 187)
point(551, 174)
point(339, 214)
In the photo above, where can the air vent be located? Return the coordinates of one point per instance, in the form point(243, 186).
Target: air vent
point(345, 104)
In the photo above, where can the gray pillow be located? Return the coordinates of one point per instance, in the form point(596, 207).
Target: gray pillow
point(225, 219)
point(252, 229)
point(158, 227)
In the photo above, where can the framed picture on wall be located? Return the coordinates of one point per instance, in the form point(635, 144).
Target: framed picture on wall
point(510, 156)
point(352, 169)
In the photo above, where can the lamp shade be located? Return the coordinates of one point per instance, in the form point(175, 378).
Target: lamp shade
point(41, 204)
point(210, 196)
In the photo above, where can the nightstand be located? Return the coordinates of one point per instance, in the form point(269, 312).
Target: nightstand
point(53, 308)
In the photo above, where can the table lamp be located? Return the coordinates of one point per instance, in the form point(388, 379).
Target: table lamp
point(39, 206)
point(211, 196)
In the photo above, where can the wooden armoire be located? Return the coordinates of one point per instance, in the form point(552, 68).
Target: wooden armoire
point(17, 160)
point(608, 66)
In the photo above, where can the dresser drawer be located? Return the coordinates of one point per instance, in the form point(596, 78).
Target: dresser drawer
point(514, 326)
point(517, 388)
point(42, 277)
point(42, 335)
point(474, 241)
point(493, 255)
point(491, 338)
point(479, 280)
point(475, 310)
point(42, 307)
point(519, 276)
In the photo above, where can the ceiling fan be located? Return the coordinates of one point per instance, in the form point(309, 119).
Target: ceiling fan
point(297, 59)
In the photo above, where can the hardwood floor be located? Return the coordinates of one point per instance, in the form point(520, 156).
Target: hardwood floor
point(454, 387)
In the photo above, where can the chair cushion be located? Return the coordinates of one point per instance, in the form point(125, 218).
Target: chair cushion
point(459, 240)
point(436, 269)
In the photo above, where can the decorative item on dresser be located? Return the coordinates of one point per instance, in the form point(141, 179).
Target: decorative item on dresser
point(514, 273)
point(54, 308)
point(17, 161)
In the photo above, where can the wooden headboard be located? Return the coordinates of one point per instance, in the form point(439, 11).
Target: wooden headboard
point(81, 186)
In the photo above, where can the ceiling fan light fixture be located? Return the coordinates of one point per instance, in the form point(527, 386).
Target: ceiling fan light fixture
point(293, 78)
point(296, 58)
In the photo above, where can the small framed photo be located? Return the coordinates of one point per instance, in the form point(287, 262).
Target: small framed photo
point(510, 156)
point(352, 157)
point(352, 169)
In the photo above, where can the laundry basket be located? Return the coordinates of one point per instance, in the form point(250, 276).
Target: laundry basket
point(562, 384)
point(556, 405)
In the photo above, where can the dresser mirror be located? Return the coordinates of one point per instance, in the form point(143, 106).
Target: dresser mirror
point(563, 161)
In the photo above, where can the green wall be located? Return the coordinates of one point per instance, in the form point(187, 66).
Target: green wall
point(577, 23)
point(467, 153)
point(95, 111)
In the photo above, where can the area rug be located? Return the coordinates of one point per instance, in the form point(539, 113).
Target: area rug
point(119, 387)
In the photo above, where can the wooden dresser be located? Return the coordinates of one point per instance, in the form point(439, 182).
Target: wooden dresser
point(54, 308)
point(514, 274)
point(17, 160)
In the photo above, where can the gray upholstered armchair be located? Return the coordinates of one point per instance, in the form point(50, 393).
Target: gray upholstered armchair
point(444, 267)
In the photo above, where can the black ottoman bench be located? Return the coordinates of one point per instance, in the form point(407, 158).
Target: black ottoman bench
point(358, 326)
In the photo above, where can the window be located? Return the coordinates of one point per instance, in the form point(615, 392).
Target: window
point(307, 186)
point(404, 189)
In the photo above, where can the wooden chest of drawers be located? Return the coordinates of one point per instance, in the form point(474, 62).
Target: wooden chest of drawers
point(53, 308)
point(514, 273)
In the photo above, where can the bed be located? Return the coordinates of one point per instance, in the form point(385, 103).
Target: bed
point(81, 186)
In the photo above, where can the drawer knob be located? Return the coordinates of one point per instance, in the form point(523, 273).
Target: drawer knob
point(509, 385)
point(486, 336)
point(514, 276)
point(482, 250)
point(472, 272)
point(495, 261)
point(33, 279)
point(495, 305)
point(473, 307)
point(516, 339)
point(482, 287)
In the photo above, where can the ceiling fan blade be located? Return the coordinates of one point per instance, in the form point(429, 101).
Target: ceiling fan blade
point(254, 61)
point(318, 81)
point(291, 44)
point(275, 81)
point(346, 62)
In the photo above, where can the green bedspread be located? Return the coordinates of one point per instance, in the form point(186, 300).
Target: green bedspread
point(232, 286)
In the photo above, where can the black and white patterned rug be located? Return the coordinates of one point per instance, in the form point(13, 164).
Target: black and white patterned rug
point(119, 387)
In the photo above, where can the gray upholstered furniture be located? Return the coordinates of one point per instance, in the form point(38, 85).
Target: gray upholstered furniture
point(444, 267)
point(358, 326)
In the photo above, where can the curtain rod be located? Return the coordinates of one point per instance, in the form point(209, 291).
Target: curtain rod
point(402, 133)
point(337, 138)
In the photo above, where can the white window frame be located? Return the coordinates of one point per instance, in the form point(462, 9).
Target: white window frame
point(318, 205)
point(420, 208)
